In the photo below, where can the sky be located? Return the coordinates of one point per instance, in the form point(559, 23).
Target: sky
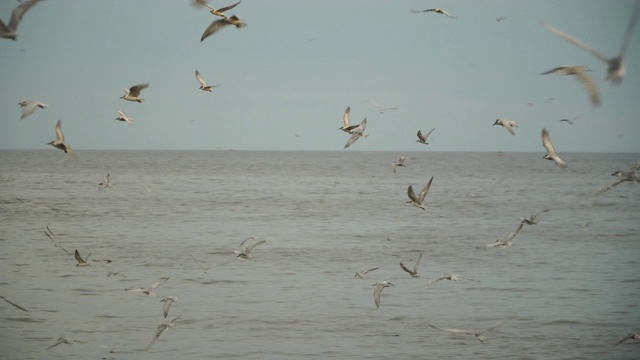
point(288, 77)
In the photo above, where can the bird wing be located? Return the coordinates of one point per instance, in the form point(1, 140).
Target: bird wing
point(436, 280)
point(59, 135)
point(507, 125)
point(78, 257)
point(154, 286)
point(247, 239)
point(632, 24)
point(415, 268)
point(554, 70)
point(405, 268)
point(250, 247)
point(200, 3)
point(122, 115)
point(634, 169)
point(166, 306)
point(214, 27)
point(200, 79)
point(29, 109)
point(546, 142)
point(534, 216)
point(135, 90)
point(345, 118)
point(429, 133)
point(354, 136)
point(412, 195)
point(18, 13)
point(630, 336)
point(422, 138)
point(513, 233)
point(369, 270)
point(16, 305)
point(376, 294)
point(610, 186)
point(576, 42)
point(223, 9)
point(424, 191)
point(590, 86)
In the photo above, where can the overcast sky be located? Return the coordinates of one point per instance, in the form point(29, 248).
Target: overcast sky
point(289, 75)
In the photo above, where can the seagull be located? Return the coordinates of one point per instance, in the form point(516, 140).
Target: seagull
point(203, 84)
point(113, 349)
point(570, 122)
point(616, 66)
point(9, 31)
point(123, 117)
point(167, 303)
point(630, 175)
point(507, 124)
point(551, 151)
point(357, 133)
point(105, 183)
point(399, 162)
point(149, 291)
point(378, 290)
point(81, 261)
point(532, 220)
point(629, 336)
point(587, 81)
point(217, 12)
point(436, 10)
point(479, 335)
point(162, 328)
point(451, 277)
point(247, 251)
point(507, 242)
point(423, 139)
point(418, 201)
point(29, 107)
point(215, 26)
point(64, 341)
point(347, 127)
point(59, 143)
point(133, 93)
point(16, 305)
point(380, 108)
point(414, 272)
point(363, 273)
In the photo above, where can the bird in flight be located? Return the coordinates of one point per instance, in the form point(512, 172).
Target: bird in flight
point(59, 143)
point(414, 272)
point(435, 10)
point(579, 72)
point(418, 201)
point(217, 25)
point(551, 151)
point(133, 93)
point(422, 139)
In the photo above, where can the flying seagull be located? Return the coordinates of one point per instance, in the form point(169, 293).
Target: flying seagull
point(167, 303)
point(533, 219)
point(380, 108)
point(363, 273)
point(162, 328)
point(81, 261)
point(59, 143)
point(507, 124)
point(478, 335)
point(630, 175)
point(14, 304)
point(616, 67)
point(149, 291)
point(378, 290)
point(10, 31)
point(422, 139)
point(105, 183)
point(29, 107)
point(203, 84)
point(347, 127)
point(123, 117)
point(435, 10)
point(628, 337)
point(357, 133)
point(507, 242)
point(587, 81)
point(64, 341)
point(418, 201)
point(214, 11)
point(399, 162)
point(414, 272)
point(451, 277)
point(133, 93)
point(570, 122)
point(247, 251)
point(215, 26)
point(551, 151)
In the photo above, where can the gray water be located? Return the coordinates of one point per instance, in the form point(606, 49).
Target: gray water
point(565, 292)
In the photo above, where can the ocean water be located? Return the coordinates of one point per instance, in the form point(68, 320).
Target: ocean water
point(563, 291)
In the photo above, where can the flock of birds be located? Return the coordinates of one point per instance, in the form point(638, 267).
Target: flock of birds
point(616, 73)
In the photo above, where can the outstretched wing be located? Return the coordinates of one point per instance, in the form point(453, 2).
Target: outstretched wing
point(424, 191)
point(576, 42)
point(200, 79)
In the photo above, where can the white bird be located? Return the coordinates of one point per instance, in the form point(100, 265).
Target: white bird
point(418, 201)
point(149, 291)
point(357, 133)
point(422, 139)
point(399, 162)
point(435, 10)
point(168, 300)
point(633, 336)
point(247, 251)
point(616, 66)
point(380, 108)
point(81, 261)
point(162, 328)
point(363, 273)
point(214, 11)
point(579, 72)
point(347, 127)
point(133, 93)
point(478, 335)
point(29, 107)
point(123, 117)
point(507, 242)
point(16, 305)
point(451, 277)
point(507, 124)
point(631, 175)
point(378, 290)
point(551, 151)
point(203, 84)
point(59, 143)
point(64, 341)
point(217, 25)
point(414, 272)
point(10, 31)
point(105, 183)
point(533, 219)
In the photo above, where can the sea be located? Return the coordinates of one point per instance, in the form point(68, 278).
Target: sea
point(569, 288)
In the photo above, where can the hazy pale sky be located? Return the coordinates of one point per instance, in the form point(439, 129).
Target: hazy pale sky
point(299, 63)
